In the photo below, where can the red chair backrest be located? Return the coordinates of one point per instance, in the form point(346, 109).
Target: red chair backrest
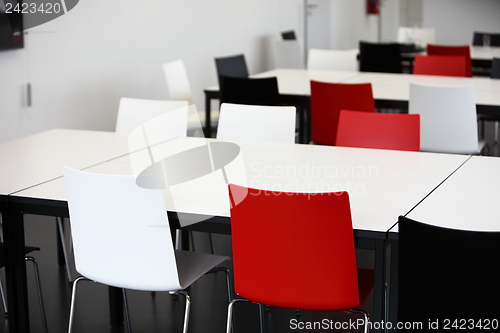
point(379, 130)
point(287, 245)
point(439, 65)
point(327, 99)
point(453, 50)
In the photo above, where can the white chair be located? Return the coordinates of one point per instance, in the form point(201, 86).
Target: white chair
point(287, 54)
point(180, 90)
point(340, 60)
point(448, 122)
point(418, 36)
point(239, 122)
point(171, 116)
point(122, 238)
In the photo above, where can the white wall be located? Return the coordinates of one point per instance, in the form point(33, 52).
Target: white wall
point(456, 20)
point(80, 64)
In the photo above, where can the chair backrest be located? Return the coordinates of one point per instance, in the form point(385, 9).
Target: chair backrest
point(287, 54)
point(380, 57)
point(379, 130)
point(417, 36)
point(448, 120)
point(340, 60)
point(269, 244)
point(327, 99)
point(478, 38)
point(288, 35)
point(234, 66)
point(447, 274)
point(120, 231)
point(251, 91)
point(495, 68)
point(160, 117)
point(462, 50)
point(257, 123)
point(177, 81)
point(439, 65)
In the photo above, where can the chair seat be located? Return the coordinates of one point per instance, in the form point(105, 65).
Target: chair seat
point(27, 249)
point(193, 265)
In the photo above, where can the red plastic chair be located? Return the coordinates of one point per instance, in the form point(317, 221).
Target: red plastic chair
point(379, 130)
point(277, 263)
point(453, 50)
point(327, 99)
point(439, 65)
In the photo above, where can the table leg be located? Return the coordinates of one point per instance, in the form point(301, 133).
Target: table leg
point(208, 120)
point(393, 283)
point(379, 284)
point(15, 268)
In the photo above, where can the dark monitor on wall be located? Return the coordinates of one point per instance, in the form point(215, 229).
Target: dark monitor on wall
point(11, 25)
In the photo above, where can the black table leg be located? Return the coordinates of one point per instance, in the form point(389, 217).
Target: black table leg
point(15, 268)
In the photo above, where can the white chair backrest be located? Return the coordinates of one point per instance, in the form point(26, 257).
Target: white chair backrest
point(448, 122)
point(287, 54)
point(256, 123)
point(120, 232)
point(418, 36)
point(177, 81)
point(167, 118)
point(340, 60)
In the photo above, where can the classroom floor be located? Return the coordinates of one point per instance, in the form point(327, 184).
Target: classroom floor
point(160, 312)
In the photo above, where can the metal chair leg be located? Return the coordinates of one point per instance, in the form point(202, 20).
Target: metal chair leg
point(127, 313)
point(230, 311)
point(187, 309)
point(366, 316)
point(73, 296)
point(60, 229)
point(39, 289)
point(228, 279)
point(4, 301)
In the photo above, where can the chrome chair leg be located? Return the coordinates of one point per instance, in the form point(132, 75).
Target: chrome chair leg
point(228, 279)
point(39, 289)
point(127, 313)
point(187, 309)
point(230, 310)
point(4, 301)
point(366, 316)
point(72, 306)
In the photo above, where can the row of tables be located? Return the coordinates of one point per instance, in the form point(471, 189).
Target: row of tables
point(456, 191)
point(389, 90)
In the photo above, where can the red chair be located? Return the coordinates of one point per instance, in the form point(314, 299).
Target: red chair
point(277, 263)
point(327, 99)
point(453, 50)
point(439, 65)
point(379, 130)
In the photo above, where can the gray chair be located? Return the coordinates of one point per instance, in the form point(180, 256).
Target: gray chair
point(234, 66)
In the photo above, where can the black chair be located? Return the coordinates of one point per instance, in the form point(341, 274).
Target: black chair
point(380, 57)
point(234, 66)
point(478, 40)
point(482, 117)
point(250, 91)
point(27, 249)
point(448, 276)
point(288, 35)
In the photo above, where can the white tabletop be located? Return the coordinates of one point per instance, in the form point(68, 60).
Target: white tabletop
point(468, 200)
point(484, 53)
point(37, 158)
point(382, 184)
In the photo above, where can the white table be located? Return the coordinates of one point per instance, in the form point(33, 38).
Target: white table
point(389, 90)
point(484, 53)
point(376, 179)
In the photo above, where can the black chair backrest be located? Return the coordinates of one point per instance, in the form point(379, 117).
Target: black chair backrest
point(234, 66)
point(380, 57)
point(495, 68)
point(261, 91)
point(477, 38)
point(288, 35)
point(447, 274)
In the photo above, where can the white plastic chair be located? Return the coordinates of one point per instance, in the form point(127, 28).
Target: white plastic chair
point(134, 112)
point(448, 122)
point(287, 54)
point(180, 90)
point(239, 122)
point(418, 36)
point(122, 238)
point(340, 60)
